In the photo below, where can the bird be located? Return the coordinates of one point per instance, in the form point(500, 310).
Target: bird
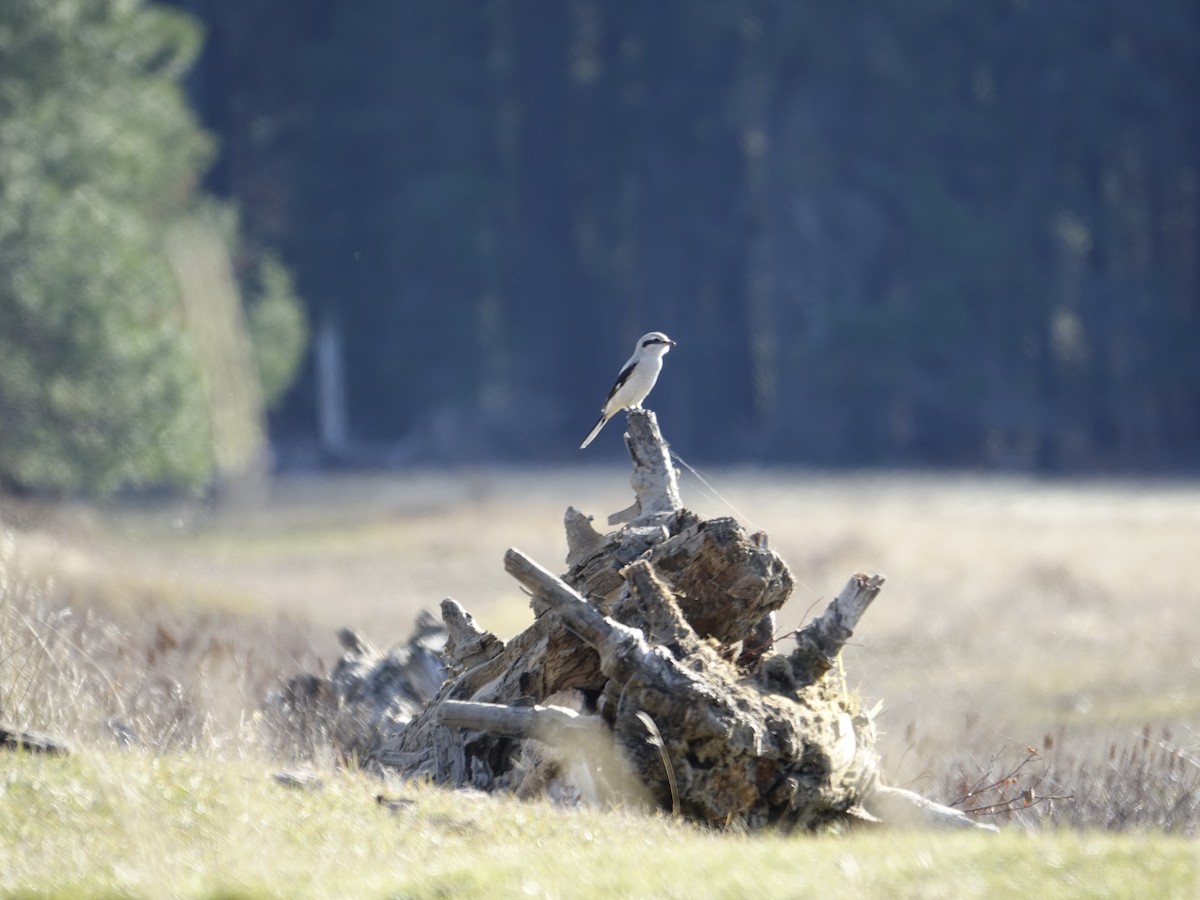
point(636, 379)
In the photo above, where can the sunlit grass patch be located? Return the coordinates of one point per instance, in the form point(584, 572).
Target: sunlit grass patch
point(186, 825)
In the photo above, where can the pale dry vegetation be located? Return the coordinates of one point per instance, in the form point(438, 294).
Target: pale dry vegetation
point(100, 670)
point(1017, 613)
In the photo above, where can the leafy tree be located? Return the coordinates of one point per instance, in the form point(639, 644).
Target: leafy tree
point(99, 154)
point(278, 330)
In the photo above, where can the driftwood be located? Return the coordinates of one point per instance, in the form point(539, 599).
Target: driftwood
point(648, 673)
point(655, 486)
point(370, 696)
point(31, 742)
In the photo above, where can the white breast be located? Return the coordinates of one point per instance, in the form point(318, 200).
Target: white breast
point(635, 389)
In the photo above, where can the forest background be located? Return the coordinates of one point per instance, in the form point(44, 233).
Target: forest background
point(925, 234)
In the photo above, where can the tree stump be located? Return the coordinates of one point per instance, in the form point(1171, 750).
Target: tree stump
point(648, 673)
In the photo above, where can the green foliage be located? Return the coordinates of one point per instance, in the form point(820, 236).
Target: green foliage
point(99, 154)
point(278, 328)
point(275, 316)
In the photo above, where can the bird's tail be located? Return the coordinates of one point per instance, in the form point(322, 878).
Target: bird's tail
point(595, 431)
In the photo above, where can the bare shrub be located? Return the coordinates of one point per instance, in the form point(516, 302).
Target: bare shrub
point(1143, 781)
point(1136, 781)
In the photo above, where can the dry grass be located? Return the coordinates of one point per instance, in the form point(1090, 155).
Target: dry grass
point(1116, 783)
point(1013, 609)
point(154, 675)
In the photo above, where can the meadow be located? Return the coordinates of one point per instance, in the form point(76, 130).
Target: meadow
point(1054, 622)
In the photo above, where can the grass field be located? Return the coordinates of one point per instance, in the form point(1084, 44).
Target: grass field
point(177, 825)
point(1057, 615)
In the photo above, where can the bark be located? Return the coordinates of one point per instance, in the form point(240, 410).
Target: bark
point(655, 486)
point(819, 643)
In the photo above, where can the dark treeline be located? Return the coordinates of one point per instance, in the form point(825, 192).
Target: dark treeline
point(921, 233)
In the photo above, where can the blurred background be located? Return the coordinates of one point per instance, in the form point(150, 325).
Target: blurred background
point(295, 233)
point(369, 268)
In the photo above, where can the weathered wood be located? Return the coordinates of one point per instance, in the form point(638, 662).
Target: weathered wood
point(664, 621)
point(32, 742)
point(724, 581)
point(819, 642)
point(467, 645)
point(549, 724)
point(655, 484)
point(649, 665)
point(370, 696)
point(898, 807)
point(621, 644)
point(700, 736)
point(582, 539)
point(598, 575)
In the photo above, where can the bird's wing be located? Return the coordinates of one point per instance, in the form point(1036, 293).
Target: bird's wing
point(621, 379)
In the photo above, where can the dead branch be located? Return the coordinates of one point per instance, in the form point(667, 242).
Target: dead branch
point(819, 642)
point(549, 724)
point(32, 742)
point(655, 484)
point(467, 645)
point(896, 806)
point(620, 644)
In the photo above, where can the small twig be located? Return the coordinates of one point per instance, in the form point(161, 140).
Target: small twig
point(795, 631)
point(977, 786)
point(1028, 797)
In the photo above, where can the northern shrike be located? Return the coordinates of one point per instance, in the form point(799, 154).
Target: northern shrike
point(636, 378)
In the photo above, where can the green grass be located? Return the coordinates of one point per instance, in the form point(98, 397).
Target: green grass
point(108, 823)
